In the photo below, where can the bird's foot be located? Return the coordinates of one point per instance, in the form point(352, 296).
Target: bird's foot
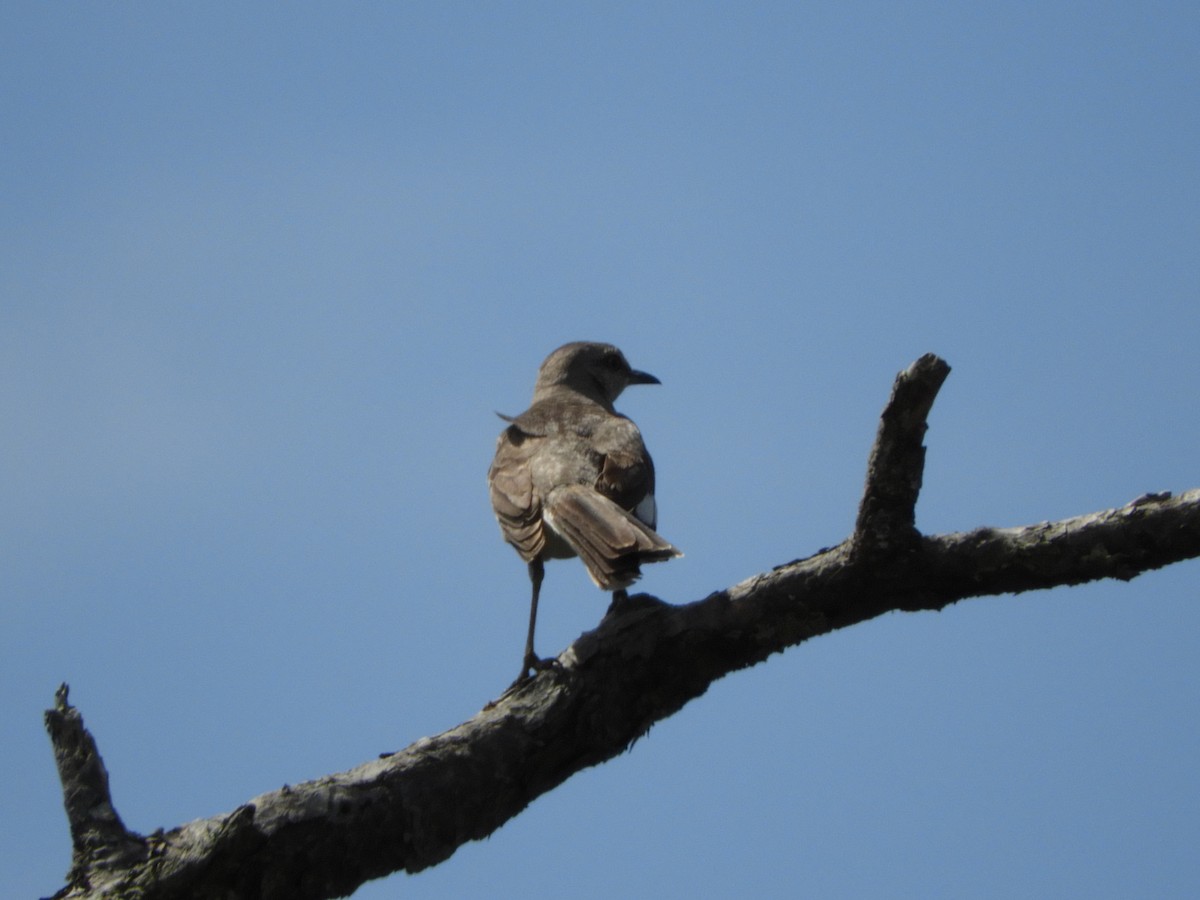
point(531, 666)
point(620, 598)
point(623, 603)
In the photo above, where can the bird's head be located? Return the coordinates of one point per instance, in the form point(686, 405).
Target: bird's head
point(598, 371)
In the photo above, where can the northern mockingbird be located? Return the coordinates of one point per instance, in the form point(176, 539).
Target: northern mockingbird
point(571, 476)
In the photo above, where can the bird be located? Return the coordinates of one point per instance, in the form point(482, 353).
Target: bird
point(572, 478)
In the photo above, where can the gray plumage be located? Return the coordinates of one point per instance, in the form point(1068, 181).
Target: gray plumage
point(571, 476)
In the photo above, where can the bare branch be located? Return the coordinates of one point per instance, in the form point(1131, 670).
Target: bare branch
point(1148, 533)
point(887, 513)
point(646, 659)
point(100, 841)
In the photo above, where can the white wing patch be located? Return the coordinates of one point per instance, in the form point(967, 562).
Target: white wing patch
point(646, 512)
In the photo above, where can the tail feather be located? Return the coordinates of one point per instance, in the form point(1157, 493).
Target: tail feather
point(610, 541)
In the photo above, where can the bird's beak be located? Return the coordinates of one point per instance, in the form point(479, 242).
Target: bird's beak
point(636, 377)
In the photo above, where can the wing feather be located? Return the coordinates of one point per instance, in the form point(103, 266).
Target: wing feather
point(510, 483)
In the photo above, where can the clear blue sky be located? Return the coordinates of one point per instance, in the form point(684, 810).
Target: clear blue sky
point(267, 271)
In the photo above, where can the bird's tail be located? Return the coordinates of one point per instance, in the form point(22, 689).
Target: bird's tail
point(610, 541)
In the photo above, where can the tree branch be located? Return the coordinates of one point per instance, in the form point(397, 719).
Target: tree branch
point(101, 846)
point(887, 513)
point(646, 659)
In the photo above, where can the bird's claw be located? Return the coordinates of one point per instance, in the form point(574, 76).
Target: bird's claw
point(536, 664)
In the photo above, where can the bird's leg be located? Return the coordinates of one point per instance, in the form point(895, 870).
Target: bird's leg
point(537, 572)
point(619, 598)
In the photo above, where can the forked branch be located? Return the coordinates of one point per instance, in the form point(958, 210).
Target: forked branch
point(411, 809)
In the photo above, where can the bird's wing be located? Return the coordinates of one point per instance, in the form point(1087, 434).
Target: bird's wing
point(627, 472)
point(518, 509)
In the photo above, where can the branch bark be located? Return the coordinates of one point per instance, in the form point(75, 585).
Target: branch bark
point(411, 809)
